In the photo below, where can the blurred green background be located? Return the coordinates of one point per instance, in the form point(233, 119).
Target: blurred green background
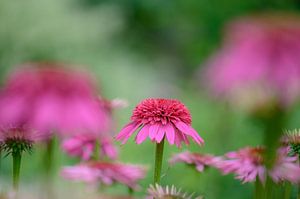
point(139, 49)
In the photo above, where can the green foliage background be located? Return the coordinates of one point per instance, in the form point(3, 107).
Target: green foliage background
point(138, 49)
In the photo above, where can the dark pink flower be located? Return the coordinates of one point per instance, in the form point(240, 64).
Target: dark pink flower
point(47, 97)
point(261, 68)
point(159, 119)
point(199, 160)
point(106, 173)
point(248, 164)
point(83, 146)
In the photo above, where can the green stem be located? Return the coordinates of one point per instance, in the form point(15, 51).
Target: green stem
point(274, 124)
point(287, 190)
point(130, 191)
point(158, 161)
point(49, 165)
point(259, 189)
point(96, 154)
point(49, 157)
point(298, 194)
point(16, 169)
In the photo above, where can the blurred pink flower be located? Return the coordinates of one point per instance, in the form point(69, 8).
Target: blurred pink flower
point(160, 118)
point(21, 133)
point(259, 62)
point(286, 167)
point(83, 146)
point(248, 164)
point(19, 139)
point(106, 173)
point(48, 97)
point(199, 160)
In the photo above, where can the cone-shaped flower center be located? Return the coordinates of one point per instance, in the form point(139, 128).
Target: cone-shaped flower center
point(161, 110)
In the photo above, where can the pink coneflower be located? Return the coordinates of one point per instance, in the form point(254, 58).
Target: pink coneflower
point(248, 164)
point(48, 97)
point(83, 146)
point(15, 141)
point(201, 161)
point(286, 167)
point(106, 173)
point(159, 119)
point(262, 68)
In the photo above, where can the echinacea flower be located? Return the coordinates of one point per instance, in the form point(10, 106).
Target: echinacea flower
point(15, 141)
point(83, 146)
point(49, 98)
point(261, 69)
point(19, 139)
point(105, 173)
point(286, 167)
point(201, 161)
point(159, 192)
point(159, 119)
point(248, 164)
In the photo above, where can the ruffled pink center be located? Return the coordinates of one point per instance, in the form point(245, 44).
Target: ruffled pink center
point(161, 110)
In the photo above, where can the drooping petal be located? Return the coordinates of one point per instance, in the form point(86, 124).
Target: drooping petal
point(127, 131)
point(170, 133)
point(184, 128)
point(87, 151)
point(160, 134)
point(142, 134)
point(153, 131)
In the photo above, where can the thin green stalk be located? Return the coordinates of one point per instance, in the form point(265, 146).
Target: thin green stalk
point(49, 158)
point(16, 169)
point(259, 189)
point(96, 154)
point(287, 190)
point(49, 164)
point(130, 191)
point(158, 161)
point(274, 124)
point(298, 194)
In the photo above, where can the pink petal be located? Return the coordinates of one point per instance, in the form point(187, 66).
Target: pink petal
point(170, 132)
point(153, 131)
point(142, 135)
point(160, 134)
point(189, 131)
point(127, 131)
point(87, 151)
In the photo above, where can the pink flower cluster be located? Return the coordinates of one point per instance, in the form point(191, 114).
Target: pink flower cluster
point(106, 173)
point(199, 160)
point(259, 60)
point(51, 99)
point(247, 164)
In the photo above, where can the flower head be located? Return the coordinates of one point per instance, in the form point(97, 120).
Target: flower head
point(106, 173)
point(19, 139)
point(83, 146)
point(248, 164)
point(262, 69)
point(199, 160)
point(159, 192)
point(292, 139)
point(159, 119)
point(50, 98)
